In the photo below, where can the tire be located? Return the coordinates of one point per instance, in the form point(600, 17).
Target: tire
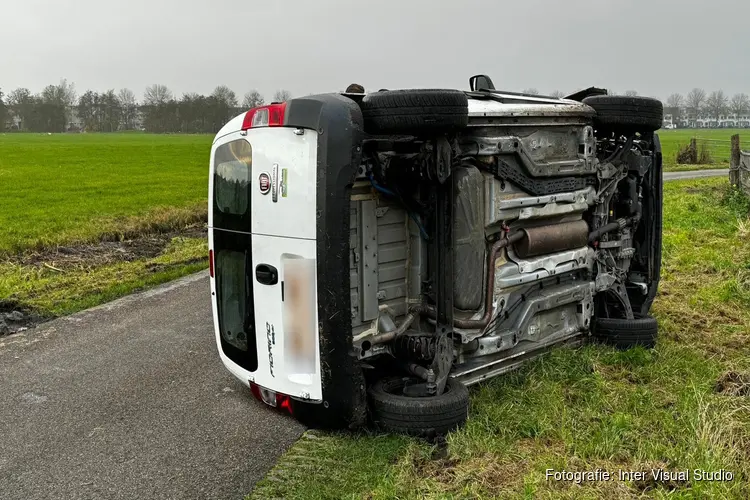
point(399, 414)
point(415, 111)
point(626, 333)
point(638, 114)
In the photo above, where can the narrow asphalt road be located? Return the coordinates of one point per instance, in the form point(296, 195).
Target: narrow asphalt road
point(130, 401)
point(694, 174)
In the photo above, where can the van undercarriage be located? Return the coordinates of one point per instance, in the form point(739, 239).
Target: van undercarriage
point(480, 230)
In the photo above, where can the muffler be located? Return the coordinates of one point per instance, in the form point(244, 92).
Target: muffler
point(553, 238)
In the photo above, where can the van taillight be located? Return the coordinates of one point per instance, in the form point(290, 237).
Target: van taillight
point(271, 398)
point(265, 116)
point(211, 263)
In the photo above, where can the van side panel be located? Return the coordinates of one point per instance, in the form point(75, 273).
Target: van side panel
point(340, 127)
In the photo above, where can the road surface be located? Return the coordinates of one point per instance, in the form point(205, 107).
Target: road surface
point(130, 400)
point(695, 174)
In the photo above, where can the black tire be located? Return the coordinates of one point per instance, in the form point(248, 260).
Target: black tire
point(637, 114)
point(415, 111)
point(396, 413)
point(626, 333)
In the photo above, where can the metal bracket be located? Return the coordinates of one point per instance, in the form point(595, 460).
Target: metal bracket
point(443, 361)
point(443, 153)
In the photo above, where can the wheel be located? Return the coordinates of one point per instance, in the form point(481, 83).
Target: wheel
point(626, 333)
point(394, 412)
point(415, 111)
point(638, 114)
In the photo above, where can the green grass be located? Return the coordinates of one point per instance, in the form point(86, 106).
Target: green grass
point(48, 292)
point(80, 189)
point(672, 140)
point(587, 408)
point(64, 188)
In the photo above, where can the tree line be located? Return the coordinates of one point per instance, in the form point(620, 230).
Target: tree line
point(159, 111)
point(696, 103)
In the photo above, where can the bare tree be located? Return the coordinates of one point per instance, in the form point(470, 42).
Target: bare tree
point(740, 104)
point(56, 102)
point(695, 100)
point(129, 108)
point(557, 93)
point(156, 94)
point(226, 95)
point(22, 104)
point(531, 91)
point(3, 112)
point(111, 111)
point(88, 111)
point(631, 93)
point(63, 93)
point(252, 99)
point(675, 101)
point(160, 110)
point(717, 104)
point(282, 95)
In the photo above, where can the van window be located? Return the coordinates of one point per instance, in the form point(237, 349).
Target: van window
point(233, 169)
point(232, 289)
point(234, 297)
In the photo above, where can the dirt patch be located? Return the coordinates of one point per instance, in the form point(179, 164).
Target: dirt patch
point(487, 473)
point(14, 318)
point(670, 481)
point(733, 384)
point(91, 255)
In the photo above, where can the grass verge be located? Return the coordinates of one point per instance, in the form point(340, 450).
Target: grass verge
point(43, 290)
point(588, 408)
point(90, 217)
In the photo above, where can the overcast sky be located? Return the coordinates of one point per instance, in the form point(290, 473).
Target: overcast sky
point(653, 46)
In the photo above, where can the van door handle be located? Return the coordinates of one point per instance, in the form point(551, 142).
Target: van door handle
point(266, 274)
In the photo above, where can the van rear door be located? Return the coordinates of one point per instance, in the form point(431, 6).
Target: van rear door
point(262, 227)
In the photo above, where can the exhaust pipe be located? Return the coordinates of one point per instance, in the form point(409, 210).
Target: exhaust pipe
point(553, 238)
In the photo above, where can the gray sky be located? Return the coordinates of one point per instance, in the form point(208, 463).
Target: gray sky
point(654, 46)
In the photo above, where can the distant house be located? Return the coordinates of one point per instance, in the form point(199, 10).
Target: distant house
point(74, 123)
point(702, 120)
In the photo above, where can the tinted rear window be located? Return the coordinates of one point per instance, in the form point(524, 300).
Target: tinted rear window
point(234, 297)
point(233, 169)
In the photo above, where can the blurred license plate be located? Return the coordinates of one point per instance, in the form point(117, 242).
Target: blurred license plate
point(299, 315)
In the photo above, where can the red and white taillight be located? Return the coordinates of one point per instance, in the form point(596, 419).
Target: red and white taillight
point(211, 263)
point(271, 398)
point(265, 116)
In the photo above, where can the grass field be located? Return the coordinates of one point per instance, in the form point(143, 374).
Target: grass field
point(66, 188)
point(718, 143)
point(63, 195)
point(589, 408)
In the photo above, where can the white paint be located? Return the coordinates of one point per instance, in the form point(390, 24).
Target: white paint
point(277, 149)
point(286, 377)
point(31, 398)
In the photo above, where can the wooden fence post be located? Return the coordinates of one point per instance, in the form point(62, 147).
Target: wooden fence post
point(734, 161)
